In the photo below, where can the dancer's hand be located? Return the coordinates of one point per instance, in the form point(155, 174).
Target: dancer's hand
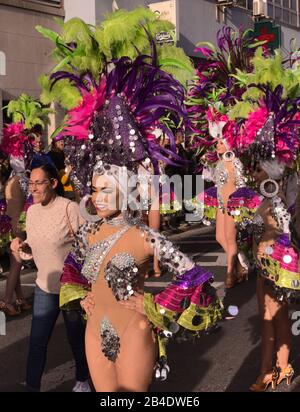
point(25, 251)
point(88, 303)
point(262, 248)
point(16, 244)
point(135, 302)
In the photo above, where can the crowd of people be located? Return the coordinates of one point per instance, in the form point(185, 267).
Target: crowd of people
point(93, 234)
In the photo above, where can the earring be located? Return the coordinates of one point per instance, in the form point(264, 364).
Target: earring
point(83, 211)
point(228, 156)
point(269, 188)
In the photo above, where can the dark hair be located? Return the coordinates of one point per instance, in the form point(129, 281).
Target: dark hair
point(52, 173)
point(38, 129)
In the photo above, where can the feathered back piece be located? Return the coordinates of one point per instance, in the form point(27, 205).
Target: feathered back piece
point(272, 130)
point(29, 111)
point(215, 83)
point(14, 136)
point(81, 48)
point(116, 120)
point(268, 111)
point(26, 114)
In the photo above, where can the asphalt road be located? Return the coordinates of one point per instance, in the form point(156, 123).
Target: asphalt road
point(227, 361)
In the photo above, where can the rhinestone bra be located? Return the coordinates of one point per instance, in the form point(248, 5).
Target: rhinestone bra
point(96, 254)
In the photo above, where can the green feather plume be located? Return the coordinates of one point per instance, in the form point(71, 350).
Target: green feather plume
point(174, 61)
point(269, 71)
point(84, 48)
point(63, 92)
point(28, 110)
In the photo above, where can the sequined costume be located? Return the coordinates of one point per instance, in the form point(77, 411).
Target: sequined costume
point(115, 258)
point(228, 177)
point(211, 205)
point(267, 221)
point(111, 136)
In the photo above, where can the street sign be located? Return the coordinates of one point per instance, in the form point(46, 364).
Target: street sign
point(167, 10)
point(268, 31)
point(164, 37)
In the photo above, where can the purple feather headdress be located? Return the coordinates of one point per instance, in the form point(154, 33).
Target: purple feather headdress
point(272, 131)
point(116, 119)
point(214, 81)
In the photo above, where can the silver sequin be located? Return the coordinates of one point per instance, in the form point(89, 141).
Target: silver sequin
point(221, 176)
point(96, 254)
point(167, 253)
point(110, 341)
point(121, 275)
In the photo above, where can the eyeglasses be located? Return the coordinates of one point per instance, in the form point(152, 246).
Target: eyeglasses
point(38, 183)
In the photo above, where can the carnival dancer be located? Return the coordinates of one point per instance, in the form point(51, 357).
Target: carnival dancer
point(269, 140)
point(211, 97)
point(112, 254)
point(228, 176)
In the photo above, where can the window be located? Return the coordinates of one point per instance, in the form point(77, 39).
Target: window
point(285, 11)
point(246, 4)
point(294, 19)
point(294, 4)
point(278, 12)
point(286, 16)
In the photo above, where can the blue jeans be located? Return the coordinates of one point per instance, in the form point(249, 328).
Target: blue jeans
point(45, 313)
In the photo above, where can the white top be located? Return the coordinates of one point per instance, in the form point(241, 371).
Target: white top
point(50, 239)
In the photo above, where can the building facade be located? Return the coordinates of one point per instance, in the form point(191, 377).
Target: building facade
point(24, 53)
point(199, 20)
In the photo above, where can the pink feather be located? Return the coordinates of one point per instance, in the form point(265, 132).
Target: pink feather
point(81, 117)
point(13, 138)
point(253, 124)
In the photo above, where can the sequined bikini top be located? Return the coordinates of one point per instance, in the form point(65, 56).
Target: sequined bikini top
point(221, 176)
point(97, 252)
point(121, 272)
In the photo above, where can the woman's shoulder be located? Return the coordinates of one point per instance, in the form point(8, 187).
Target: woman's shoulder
point(67, 202)
point(33, 209)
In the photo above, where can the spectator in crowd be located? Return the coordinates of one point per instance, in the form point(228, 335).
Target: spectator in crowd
point(51, 224)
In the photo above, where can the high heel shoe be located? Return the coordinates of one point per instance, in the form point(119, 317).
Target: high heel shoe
point(242, 275)
point(242, 269)
point(230, 280)
point(9, 309)
point(286, 373)
point(262, 384)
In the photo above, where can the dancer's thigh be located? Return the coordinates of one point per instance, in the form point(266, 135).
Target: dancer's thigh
point(102, 371)
point(220, 229)
point(137, 357)
point(229, 230)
